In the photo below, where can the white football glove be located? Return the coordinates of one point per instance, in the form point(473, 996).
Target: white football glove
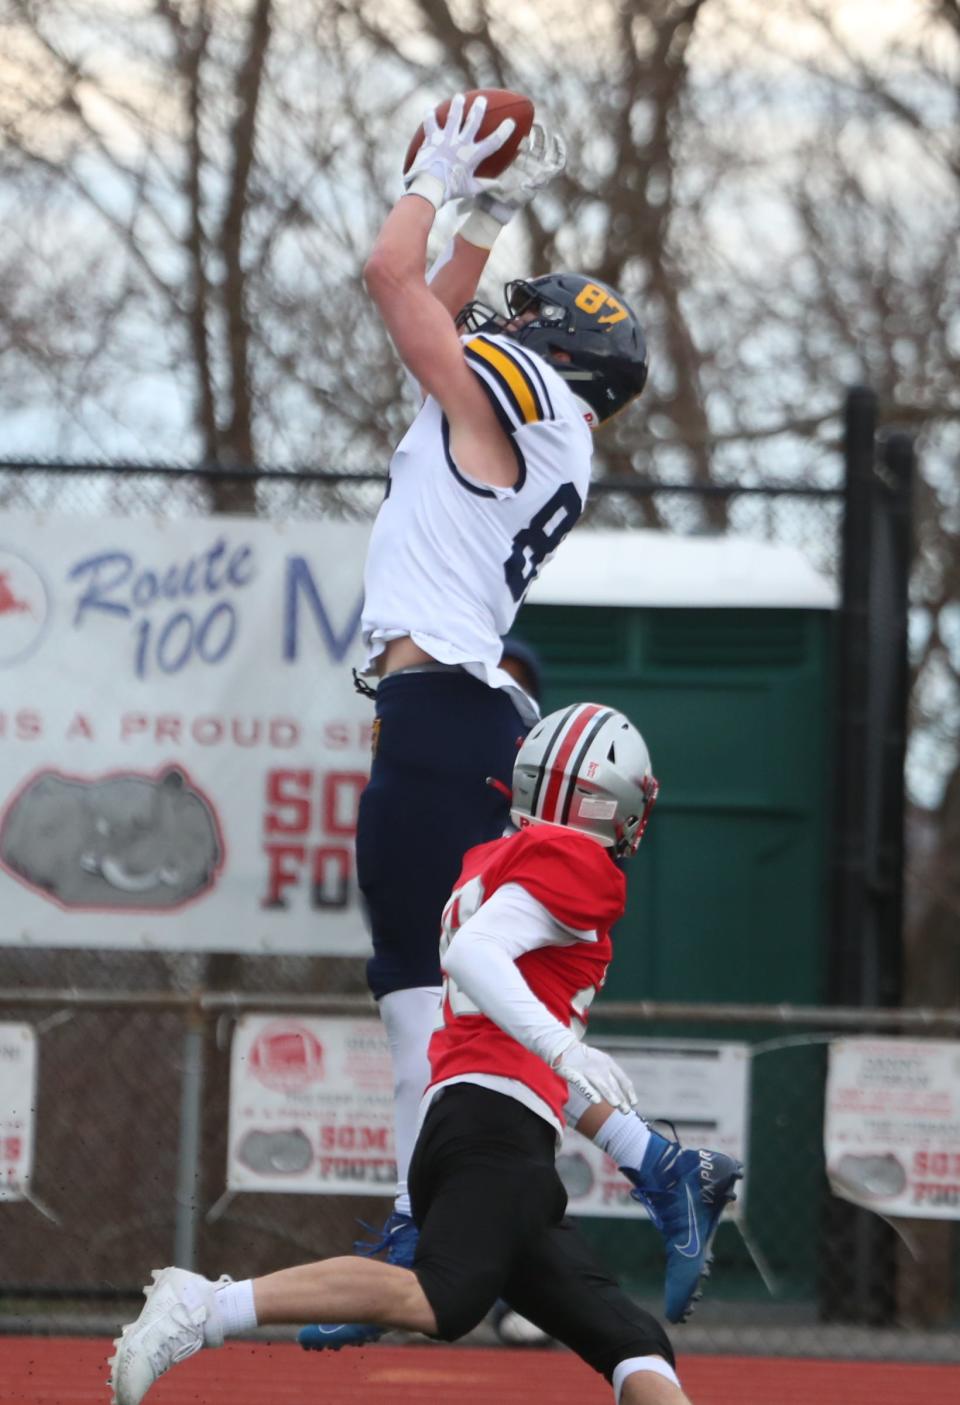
point(596, 1075)
point(541, 156)
point(444, 167)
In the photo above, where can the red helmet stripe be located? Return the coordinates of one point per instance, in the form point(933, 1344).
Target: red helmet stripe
point(549, 810)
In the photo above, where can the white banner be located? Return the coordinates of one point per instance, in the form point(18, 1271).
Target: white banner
point(701, 1087)
point(311, 1110)
point(892, 1126)
point(181, 746)
point(311, 1106)
point(18, 1101)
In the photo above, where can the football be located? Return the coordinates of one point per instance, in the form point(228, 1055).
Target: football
point(501, 103)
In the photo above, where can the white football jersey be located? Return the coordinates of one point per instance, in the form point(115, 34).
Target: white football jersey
point(451, 558)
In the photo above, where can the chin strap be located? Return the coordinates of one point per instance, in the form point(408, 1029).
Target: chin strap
point(499, 785)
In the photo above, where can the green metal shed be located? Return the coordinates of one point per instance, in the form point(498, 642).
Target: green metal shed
point(718, 649)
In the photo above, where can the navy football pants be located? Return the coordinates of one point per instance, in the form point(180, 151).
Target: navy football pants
point(439, 737)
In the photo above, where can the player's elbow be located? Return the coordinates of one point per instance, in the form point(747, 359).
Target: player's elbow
point(384, 275)
point(378, 275)
point(455, 961)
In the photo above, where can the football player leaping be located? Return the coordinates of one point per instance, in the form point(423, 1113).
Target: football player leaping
point(525, 946)
point(487, 482)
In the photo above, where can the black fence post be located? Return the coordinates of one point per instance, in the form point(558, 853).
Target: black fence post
point(848, 980)
point(865, 958)
point(890, 625)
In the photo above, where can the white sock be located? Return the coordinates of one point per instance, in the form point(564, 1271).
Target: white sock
point(624, 1137)
point(408, 1017)
point(236, 1308)
point(641, 1363)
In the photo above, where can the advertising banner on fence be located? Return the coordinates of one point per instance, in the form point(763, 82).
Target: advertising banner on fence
point(702, 1088)
point(892, 1126)
point(311, 1109)
point(311, 1106)
point(182, 749)
point(18, 1101)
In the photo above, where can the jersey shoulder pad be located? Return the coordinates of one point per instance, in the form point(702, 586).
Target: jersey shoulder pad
point(572, 876)
point(516, 380)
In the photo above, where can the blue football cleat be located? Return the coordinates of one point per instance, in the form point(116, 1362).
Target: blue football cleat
point(684, 1193)
point(399, 1238)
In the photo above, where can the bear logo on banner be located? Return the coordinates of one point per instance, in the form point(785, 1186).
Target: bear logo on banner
point(129, 840)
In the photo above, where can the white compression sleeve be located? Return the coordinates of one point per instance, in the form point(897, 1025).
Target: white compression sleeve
point(408, 1017)
point(481, 961)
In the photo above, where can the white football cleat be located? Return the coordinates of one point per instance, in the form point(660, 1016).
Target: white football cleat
point(178, 1318)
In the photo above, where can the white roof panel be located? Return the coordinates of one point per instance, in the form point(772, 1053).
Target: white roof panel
point(658, 568)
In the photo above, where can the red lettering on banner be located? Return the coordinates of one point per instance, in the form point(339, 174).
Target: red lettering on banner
point(339, 736)
point(284, 732)
point(133, 724)
point(279, 873)
point(80, 727)
point(937, 1163)
point(207, 731)
point(349, 1169)
point(320, 809)
point(936, 1193)
point(280, 733)
point(24, 725)
point(287, 791)
point(331, 875)
point(341, 798)
point(168, 730)
point(350, 1138)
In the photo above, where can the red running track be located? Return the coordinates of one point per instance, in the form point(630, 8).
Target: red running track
point(72, 1371)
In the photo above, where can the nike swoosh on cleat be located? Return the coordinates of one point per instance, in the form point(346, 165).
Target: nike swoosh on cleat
point(693, 1235)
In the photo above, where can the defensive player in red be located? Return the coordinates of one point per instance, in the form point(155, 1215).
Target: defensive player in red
point(524, 948)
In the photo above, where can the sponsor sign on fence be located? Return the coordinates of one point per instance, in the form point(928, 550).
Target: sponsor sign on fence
point(182, 749)
point(311, 1109)
point(311, 1106)
point(702, 1088)
point(892, 1126)
point(18, 1100)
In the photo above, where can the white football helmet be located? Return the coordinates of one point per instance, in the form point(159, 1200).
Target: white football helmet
point(586, 767)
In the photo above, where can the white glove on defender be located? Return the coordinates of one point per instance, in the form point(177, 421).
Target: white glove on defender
point(596, 1075)
point(542, 155)
point(443, 169)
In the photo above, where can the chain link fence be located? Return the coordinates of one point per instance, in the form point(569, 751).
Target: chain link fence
point(107, 1197)
point(108, 1186)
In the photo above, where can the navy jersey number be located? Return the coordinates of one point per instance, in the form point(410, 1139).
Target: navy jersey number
point(533, 544)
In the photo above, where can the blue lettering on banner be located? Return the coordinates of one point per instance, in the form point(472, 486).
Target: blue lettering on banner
point(203, 627)
point(300, 582)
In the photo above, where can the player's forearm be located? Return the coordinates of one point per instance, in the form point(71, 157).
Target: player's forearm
point(484, 972)
point(454, 282)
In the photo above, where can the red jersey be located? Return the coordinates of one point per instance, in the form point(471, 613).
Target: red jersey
point(577, 882)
